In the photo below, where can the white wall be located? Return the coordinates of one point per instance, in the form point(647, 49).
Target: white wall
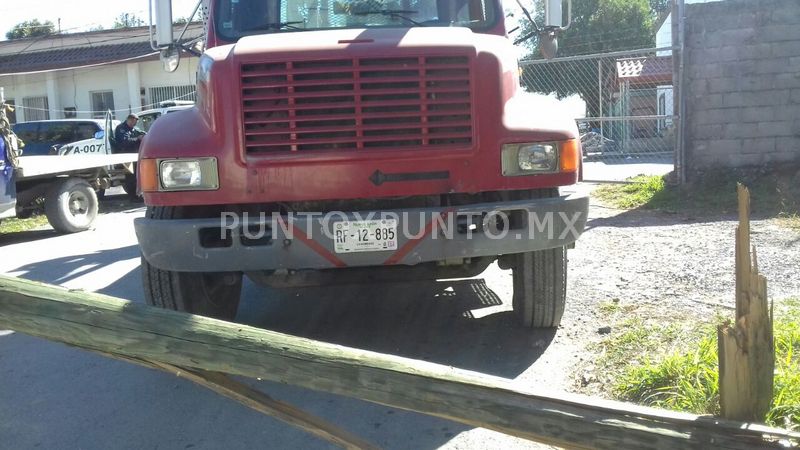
point(152, 75)
point(74, 87)
point(664, 36)
point(18, 87)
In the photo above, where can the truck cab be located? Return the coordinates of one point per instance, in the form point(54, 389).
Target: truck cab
point(357, 139)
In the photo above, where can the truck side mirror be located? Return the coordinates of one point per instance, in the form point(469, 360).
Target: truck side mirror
point(163, 40)
point(548, 34)
point(548, 44)
point(100, 134)
point(170, 58)
point(163, 35)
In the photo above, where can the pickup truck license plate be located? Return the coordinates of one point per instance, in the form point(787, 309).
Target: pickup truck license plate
point(365, 236)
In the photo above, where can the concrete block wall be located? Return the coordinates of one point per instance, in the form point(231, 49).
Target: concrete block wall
point(742, 83)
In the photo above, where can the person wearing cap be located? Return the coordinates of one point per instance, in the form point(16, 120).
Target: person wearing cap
point(126, 137)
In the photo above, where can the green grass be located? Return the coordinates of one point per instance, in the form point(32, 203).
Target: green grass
point(633, 339)
point(773, 195)
point(18, 225)
point(686, 379)
point(639, 191)
point(790, 221)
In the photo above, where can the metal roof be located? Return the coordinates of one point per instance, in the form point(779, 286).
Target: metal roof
point(79, 49)
point(645, 70)
point(72, 57)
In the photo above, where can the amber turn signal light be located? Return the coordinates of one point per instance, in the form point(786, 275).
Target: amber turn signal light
point(570, 155)
point(148, 175)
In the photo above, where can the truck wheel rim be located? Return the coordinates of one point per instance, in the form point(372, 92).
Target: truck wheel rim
point(78, 204)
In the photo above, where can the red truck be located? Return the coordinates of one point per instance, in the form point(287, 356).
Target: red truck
point(356, 140)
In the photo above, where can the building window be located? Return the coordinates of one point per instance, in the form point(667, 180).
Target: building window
point(35, 108)
point(11, 115)
point(164, 93)
point(102, 101)
point(70, 112)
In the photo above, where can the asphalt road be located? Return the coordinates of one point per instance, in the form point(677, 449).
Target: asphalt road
point(54, 397)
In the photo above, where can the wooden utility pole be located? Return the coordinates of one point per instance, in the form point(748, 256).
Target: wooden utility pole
point(177, 341)
point(746, 349)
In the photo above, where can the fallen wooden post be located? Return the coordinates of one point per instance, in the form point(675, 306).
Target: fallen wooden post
point(746, 350)
point(115, 326)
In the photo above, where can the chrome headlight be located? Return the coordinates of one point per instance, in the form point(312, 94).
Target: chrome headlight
point(197, 174)
point(526, 159)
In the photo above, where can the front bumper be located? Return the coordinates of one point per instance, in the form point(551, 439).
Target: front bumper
point(306, 241)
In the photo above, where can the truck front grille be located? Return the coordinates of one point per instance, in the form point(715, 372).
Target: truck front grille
point(354, 104)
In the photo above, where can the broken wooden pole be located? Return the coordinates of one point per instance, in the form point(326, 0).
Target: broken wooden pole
point(119, 327)
point(746, 349)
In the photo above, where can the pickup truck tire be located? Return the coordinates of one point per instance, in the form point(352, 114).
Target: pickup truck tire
point(71, 205)
point(129, 185)
point(207, 294)
point(540, 287)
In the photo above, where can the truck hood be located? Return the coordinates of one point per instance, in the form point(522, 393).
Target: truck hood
point(359, 41)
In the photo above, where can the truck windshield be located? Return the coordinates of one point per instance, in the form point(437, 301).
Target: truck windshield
point(237, 18)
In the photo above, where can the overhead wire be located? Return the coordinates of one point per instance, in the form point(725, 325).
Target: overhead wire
point(119, 110)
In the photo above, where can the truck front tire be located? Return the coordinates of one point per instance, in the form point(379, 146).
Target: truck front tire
point(540, 287)
point(71, 205)
point(214, 294)
point(540, 281)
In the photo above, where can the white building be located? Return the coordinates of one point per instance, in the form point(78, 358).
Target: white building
point(84, 74)
point(664, 34)
point(663, 40)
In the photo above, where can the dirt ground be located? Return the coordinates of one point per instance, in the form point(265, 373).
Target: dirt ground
point(665, 269)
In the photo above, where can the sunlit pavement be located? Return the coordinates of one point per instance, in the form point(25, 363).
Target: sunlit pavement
point(620, 168)
point(52, 396)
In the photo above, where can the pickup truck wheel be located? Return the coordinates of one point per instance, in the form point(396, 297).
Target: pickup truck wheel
point(71, 205)
point(129, 185)
point(540, 287)
point(207, 294)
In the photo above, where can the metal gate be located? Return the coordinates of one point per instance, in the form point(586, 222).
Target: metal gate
point(165, 93)
point(623, 103)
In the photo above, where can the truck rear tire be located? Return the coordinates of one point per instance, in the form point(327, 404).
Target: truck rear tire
point(210, 294)
point(540, 287)
point(71, 205)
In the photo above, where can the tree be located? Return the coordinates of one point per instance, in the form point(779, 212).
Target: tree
point(598, 26)
point(126, 20)
point(659, 7)
point(31, 28)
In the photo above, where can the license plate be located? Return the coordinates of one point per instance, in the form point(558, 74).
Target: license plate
point(365, 236)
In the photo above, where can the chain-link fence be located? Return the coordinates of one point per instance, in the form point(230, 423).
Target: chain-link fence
point(623, 105)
